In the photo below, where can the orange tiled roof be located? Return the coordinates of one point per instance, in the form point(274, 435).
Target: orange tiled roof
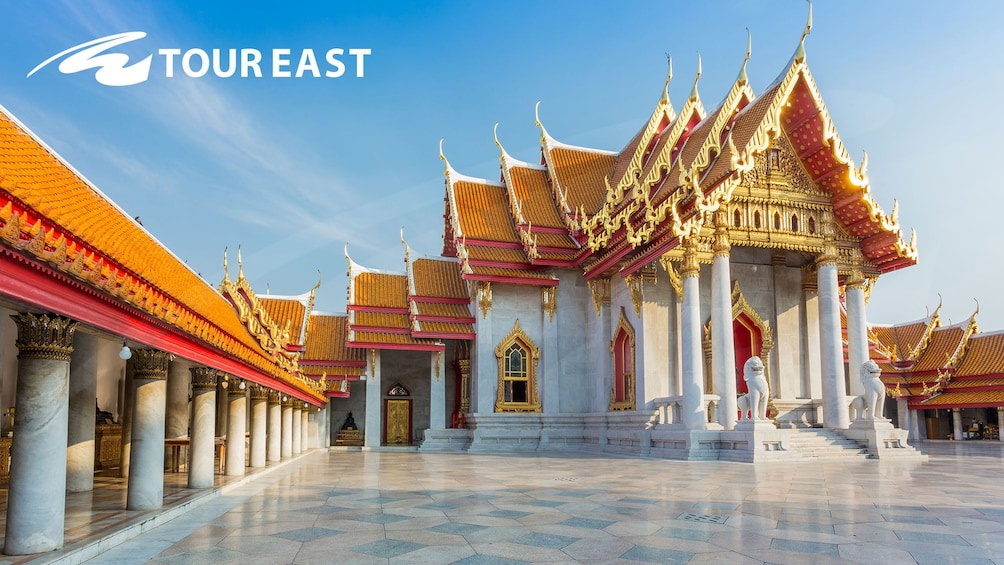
point(536, 200)
point(382, 290)
point(973, 398)
point(581, 173)
point(335, 370)
point(326, 341)
point(286, 311)
point(380, 320)
point(121, 250)
point(439, 278)
point(380, 338)
point(944, 343)
point(440, 310)
point(985, 356)
point(483, 212)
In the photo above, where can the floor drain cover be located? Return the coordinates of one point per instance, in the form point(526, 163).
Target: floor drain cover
point(703, 518)
point(566, 479)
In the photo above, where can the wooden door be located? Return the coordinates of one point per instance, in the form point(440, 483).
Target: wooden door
point(397, 421)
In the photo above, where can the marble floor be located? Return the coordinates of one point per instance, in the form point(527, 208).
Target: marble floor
point(407, 507)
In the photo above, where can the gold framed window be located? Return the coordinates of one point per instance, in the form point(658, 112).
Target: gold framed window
point(517, 356)
point(622, 349)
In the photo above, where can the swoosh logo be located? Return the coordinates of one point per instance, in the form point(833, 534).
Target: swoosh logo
point(113, 69)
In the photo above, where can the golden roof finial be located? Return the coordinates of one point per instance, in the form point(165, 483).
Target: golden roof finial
point(347, 251)
point(318, 285)
point(693, 91)
point(240, 265)
point(442, 157)
point(407, 248)
point(977, 307)
point(226, 270)
point(749, 50)
point(669, 78)
point(800, 52)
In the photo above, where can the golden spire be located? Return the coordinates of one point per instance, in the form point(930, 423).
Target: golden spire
point(800, 52)
point(749, 49)
point(693, 91)
point(407, 248)
point(669, 78)
point(226, 270)
point(240, 265)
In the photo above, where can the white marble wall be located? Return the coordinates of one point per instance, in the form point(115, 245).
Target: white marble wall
point(410, 369)
point(8, 365)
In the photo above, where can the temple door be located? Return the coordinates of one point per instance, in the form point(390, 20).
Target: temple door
point(397, 421)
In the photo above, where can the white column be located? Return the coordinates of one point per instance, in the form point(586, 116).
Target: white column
point(326, 426)
point(857, 331)
point(374, 402)
point(1000, 423)
point(202, 447)
point(723, 348)
point(437, 395)
point(236, 426)
point(259, 415)
point(957, 424)
point(83, 396)
point(835, 411)
point(693, 416)
point(904, 415)
point(918, 429)
point(287, 427)
point(312, 429)
point(297, 425)
point(304, 428)
point(179, 379)
point(222, 409)
point(128, 390)
point(273, 451)
point(549, 381)
point(146, 472)
point(36, 497)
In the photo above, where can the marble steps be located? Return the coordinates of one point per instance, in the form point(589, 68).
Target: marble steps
point(822, 443)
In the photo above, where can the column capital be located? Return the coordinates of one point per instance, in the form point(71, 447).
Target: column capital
point(290, 402)
point(204, 378)
point(829, 254)
point(150, 364)
point(259, 392)
point(690, 267)
point(236, 387)
point(274, 396)
point(855, 280)
point(44, 336)
point(720, 247)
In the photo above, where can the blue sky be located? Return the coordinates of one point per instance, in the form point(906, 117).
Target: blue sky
point(291, 169)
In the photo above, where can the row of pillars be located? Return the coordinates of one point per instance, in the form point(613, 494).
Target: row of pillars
point(43, 468)
point(723, 362)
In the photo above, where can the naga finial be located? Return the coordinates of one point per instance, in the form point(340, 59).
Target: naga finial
point(693, 92)
point(800, 53)
point(749, 50)
point(318, 285)
point(442, 157)
point(669, 78)
point(347, 251)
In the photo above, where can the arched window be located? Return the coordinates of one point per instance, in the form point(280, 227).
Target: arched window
point(812, 225)
point(622, 395)
point(794, 222)
point(756, 219)
point(737, 218)
point(777, 221)
point(517, 387)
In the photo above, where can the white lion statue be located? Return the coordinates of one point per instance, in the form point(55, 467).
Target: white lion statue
point(754, 401)
point(874, 390)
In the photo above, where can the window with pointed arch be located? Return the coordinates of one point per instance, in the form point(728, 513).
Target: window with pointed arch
point(623, 351)
point(517, 388)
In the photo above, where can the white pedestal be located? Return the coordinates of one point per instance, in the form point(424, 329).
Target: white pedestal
point(883, 440)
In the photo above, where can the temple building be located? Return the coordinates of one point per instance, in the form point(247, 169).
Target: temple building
point(698, 294)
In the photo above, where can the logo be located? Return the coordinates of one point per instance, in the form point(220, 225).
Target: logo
point(113, 69)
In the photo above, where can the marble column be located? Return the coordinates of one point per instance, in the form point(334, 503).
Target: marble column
point(179, 380)
point(304, 427)
point(128, 390)
point(723, 348)
point(313, 435)
point(146, 468)
point(287, 426)
point(236, 426)
point(222, 407)
point(326, 426)
point(693, 411)
point(904, 415)
point(437, 396)
point(957, 424)
point(273, 451)
point(83, 397)
point(373, 424)
point(1000, 423)
point(202, 448)
point(831, 354)
point(297, 425)
point(36, 499)
point(259, 416)
point(857, 330)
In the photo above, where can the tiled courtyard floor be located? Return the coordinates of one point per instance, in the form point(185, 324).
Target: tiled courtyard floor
point(390, 507)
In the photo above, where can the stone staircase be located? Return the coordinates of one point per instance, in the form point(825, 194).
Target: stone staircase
point(823, 443)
